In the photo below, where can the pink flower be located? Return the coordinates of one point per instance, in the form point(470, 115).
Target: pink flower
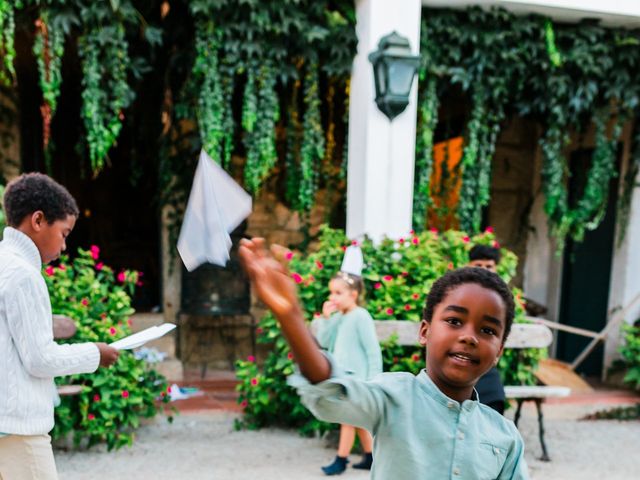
point(377, 285)
point(354, 242)
point(244, 404)
point(50, 270)
point(319, 265)
point(62, 267)
point(96, 398)
point(415, 357)
point(387, 278)
point(99, 266)
point(288, 255)
point(125, 394)
point(415, 296)
point(91, 416)
point(415, 240)
point(433, 230)
point(389, 311)
point(168, 389)
point(489, 230)
point(401, 240)
point(290, 356)
point(85, 302)
point(317, 315)
point(496, 245)
point(296, 277)
point(254, 381)
point(465, 239)
point(407, 307)
point(404, 274)
point(251, 358)
point(122, 277)
point(412, 232)
point(112, 331)
point(95, 251)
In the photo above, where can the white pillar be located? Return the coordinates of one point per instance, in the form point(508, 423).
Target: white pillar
point(381, 153)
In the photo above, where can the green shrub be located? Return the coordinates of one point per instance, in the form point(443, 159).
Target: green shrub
point(114, 399)
point(397, 275)
point(630, 351)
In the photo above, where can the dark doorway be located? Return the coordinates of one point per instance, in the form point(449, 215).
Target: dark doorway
point(586, 274)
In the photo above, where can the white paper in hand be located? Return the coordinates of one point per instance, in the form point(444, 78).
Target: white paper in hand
point(138, 339)
point(217, 205)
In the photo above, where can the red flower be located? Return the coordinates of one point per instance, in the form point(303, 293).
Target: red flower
point(290, 356)
point(288, 255)
point(415, 296)
point(90, 416)
point(387, 278)
point(259, 330)
point(401, 240)
point(465, 239)
point(243, 404)
point(489, 230)
point(407, 307)
point(168, 389)
point(496, 245)
point(296, 277)
point(112, 331)
point(412, 232)
point(317, 314)
point(433, 230)
point(96, 398)
point(354, 242)
point(103, 315)
point(344, 248)
point(415, 240)
point(50, 270)
point(415, 357)
point(404, 274)
point(450, 266)
point(122, 277)
point(125, 394)
point(254, 381)
point(251, 358)
point(62, 267)
point(99, 266)
point(129, 322)
point(85, 302)
point(377, 285)
point(95, 251)
point(389, 311)
point(319, 265)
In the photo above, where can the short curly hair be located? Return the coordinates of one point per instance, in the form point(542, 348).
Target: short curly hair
point(479, 276)
point(31, 192)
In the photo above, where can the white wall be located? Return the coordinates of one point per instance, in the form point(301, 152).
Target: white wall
point(381, 153)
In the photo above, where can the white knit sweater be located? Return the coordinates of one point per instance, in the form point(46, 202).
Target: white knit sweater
point(29, 358)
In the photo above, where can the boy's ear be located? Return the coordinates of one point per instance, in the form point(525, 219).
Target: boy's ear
point(37, 220)
point(423, 336)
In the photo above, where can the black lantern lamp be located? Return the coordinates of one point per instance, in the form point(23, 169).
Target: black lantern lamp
point(393, 70)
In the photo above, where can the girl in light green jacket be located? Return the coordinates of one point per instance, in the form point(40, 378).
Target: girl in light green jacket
point(347, 332)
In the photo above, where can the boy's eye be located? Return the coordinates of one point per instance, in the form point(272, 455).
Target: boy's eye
point(489, 331)
point(453, 321)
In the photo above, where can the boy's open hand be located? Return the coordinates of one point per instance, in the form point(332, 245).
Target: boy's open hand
point(108, 355)
point(271, 280)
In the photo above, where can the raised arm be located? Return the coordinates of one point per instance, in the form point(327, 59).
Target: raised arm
point(276, 289)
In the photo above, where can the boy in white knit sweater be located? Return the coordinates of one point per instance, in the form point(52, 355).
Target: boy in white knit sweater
point(40, 214)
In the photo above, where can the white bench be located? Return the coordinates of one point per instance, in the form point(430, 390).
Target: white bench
point(523, 335)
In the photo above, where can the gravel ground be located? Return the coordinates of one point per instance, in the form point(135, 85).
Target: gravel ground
point(205, 446)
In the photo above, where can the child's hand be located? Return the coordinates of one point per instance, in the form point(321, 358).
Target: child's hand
point(328, 308)
point(108, 355)
point(271, 279)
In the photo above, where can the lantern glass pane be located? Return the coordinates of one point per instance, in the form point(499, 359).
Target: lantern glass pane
point(381, 76)
point(400, 77)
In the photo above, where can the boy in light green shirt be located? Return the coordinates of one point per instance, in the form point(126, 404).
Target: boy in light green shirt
point(426, 426)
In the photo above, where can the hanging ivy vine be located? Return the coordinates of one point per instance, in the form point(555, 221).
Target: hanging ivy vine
point(7, 50)
point(48, 48)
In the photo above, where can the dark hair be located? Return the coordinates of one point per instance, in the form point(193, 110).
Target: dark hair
point(354, 282)
point(479, 276)
point(31, 192)
point(484, 252)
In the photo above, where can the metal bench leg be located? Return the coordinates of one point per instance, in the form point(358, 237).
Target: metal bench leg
point(545, 454)
point(518, 409)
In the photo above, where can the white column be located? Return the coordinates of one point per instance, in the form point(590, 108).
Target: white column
point(381, 152)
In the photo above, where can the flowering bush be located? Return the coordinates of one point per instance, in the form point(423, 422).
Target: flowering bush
point(113, 399)
point(630, 351)
point(397, 277)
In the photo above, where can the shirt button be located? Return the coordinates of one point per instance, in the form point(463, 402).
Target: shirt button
point(496, 450)
point(450, 405)
point(456, 471)
point(461, 436)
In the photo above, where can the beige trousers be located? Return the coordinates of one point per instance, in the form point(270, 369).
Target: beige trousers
point(27, 457)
